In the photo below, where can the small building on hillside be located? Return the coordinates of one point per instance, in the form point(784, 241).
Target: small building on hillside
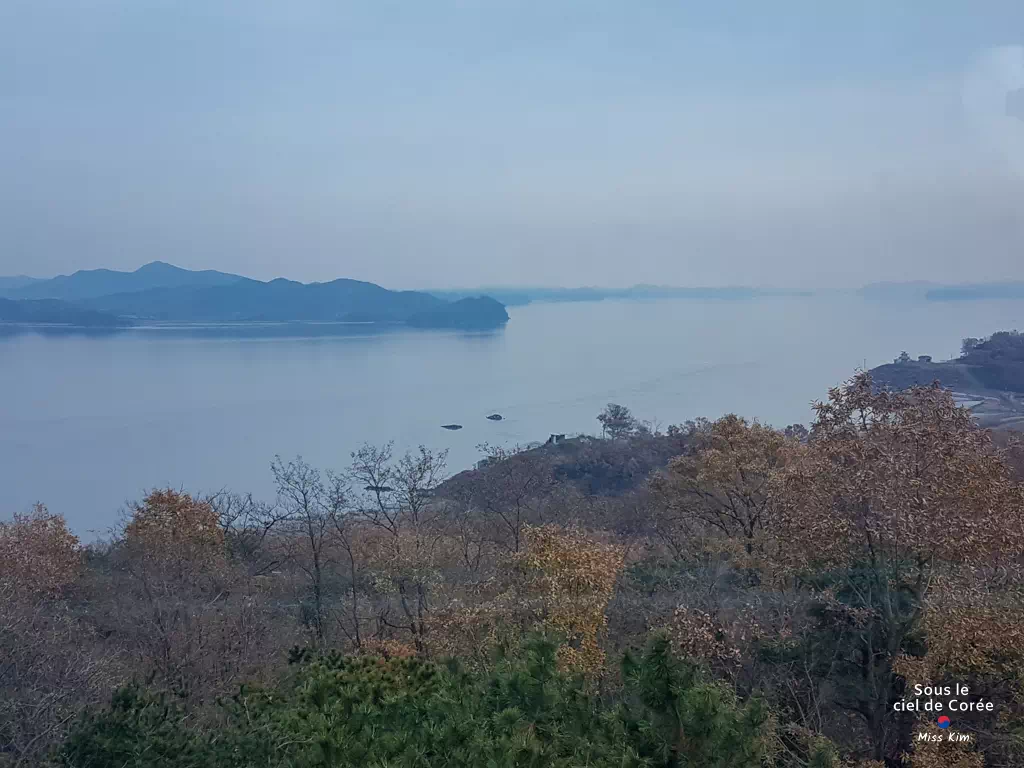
point(924, 358)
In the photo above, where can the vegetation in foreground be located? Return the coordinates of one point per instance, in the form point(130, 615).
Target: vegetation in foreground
point(722, 594)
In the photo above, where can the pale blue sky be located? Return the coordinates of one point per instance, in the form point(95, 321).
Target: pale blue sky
point(467, 142)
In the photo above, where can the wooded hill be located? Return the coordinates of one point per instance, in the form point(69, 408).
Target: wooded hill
point(161, 292)
point(722, 594)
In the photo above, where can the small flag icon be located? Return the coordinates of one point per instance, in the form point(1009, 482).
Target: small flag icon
point(943, 722)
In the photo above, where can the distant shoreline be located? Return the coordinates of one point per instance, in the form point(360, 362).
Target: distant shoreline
point(987, 378)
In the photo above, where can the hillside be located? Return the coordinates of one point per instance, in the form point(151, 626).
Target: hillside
point(994, 364)
point(9, 285)
point(988, 376)
point(917, 290)
point(53, 312)
point(952, 375)
point(93, 283)
point(589, 465)
point(979, 291)
point(277, 301)
point(161, 292)
point(288, 301)
point(640, 600)
point(477, 313)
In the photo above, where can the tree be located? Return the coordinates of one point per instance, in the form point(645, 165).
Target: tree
point(617, 421)
point(687, 720)
point(903, 358)
point(410, 530)
point(350, 712)
point(139, 729)
point(969, 344)
point(172, 551)
point(312, 507)
point(178, 532)
point(797, 432)
point(973, 628)
point(249, 527)
point(894, 489)
point(46, 670)
point(572, 578)
point(510, 491)
point(722, 486)
point(39, 556)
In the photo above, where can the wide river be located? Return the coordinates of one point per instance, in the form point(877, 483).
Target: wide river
point(89, 422)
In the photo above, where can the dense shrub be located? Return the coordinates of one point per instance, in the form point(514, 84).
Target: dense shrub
point(372, 712)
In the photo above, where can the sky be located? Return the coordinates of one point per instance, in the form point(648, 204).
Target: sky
point(458, 143)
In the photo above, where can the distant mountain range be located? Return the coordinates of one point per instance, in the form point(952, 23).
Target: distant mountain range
point(161, 292)
point(8, 284)
point(96, 283)
point(164, 293)
point(520, 296)
point(929, 291)
point(976, 291)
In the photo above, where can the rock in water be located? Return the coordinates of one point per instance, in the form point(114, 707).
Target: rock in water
point(452, 427)
point(495, 417)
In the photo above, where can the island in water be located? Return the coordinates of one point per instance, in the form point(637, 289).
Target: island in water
point(163, 293)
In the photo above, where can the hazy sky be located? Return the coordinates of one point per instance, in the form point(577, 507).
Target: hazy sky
point(431, 143)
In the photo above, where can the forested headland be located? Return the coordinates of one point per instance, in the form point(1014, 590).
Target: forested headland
point(163, 293)
point(711, 594)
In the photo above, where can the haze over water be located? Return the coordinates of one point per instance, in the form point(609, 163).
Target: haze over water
point(89, 422)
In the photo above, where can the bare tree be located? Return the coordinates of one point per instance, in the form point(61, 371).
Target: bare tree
point(397, 501)
point(50, 665)
point(249, 526)
point(311, 504)
point(510, 490)
point(347, 535)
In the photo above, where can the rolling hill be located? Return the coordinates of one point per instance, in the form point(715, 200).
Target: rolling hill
point(55, 312)
point(277, 301)
point(163, 293)
point(94, 283)
point(9, 285)
point(916, 290)
point(977, 291)
point(464, 314)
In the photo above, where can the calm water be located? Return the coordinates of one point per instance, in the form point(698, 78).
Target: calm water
point(87, 422)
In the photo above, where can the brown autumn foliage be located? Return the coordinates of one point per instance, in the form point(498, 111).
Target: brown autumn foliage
point(904, 480)
point(406, 534)
point(975, 631)
point(824, 570)
point(39, 556)
point(944, 755)
point(572, 577)
point(171, 529)
point(895, 491)
point(697, 635)
point(50, 663)
point(190, 617)
point(720, 489)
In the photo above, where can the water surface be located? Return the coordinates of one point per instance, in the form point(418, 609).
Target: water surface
point(89, 421)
